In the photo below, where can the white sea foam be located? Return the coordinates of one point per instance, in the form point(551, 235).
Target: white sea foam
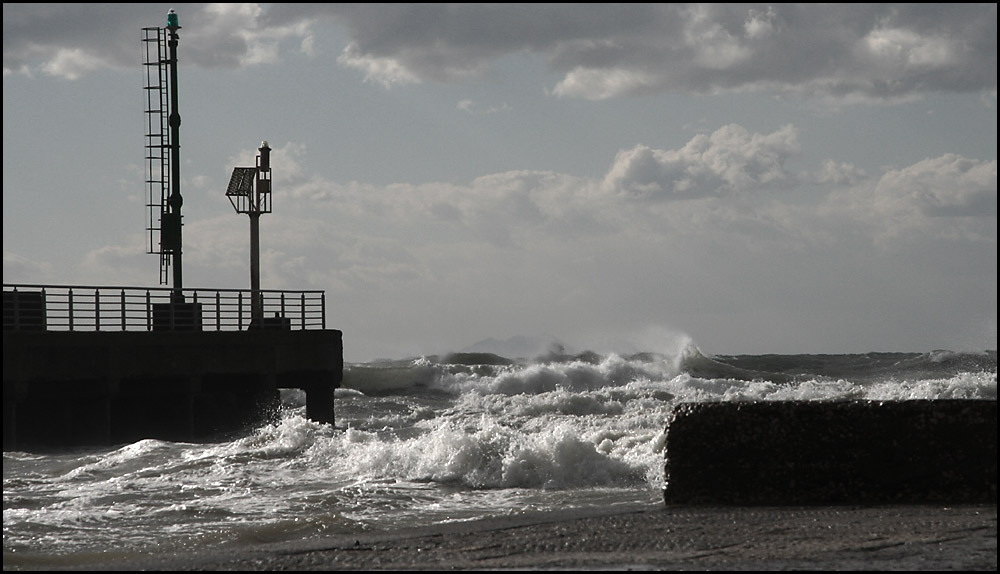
point(427, 440)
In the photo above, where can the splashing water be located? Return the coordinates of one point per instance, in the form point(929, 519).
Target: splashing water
point(427, 440)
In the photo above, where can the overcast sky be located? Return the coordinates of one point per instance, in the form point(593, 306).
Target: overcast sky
point(756, 178)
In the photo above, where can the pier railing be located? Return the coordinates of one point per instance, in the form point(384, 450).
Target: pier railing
point(108, 308)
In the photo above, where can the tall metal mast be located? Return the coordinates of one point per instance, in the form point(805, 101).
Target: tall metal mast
point(175, 201)
point(163, 149)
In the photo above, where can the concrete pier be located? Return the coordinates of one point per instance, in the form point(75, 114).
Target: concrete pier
point(72, 388)
point(832, 452)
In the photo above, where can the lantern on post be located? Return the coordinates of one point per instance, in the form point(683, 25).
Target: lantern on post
point(250, 192)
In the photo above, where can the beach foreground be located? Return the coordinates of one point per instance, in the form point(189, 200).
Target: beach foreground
point(911, 537)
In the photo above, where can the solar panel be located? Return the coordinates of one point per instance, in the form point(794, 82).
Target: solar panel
point(241, 183)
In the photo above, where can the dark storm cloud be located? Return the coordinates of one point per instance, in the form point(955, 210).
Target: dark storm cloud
point(440, 41)
point(863, 50)
point(71, 39)
point(853, 51)
point(38, 32)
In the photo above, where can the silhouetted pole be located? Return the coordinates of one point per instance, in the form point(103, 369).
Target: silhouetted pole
point(260, 190)
point(175, 200)
point(250, 192)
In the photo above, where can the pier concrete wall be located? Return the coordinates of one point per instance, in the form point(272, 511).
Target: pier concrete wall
point(65, 389)
point(832, 452)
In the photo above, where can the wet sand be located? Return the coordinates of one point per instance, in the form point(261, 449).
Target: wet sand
point(906, 537)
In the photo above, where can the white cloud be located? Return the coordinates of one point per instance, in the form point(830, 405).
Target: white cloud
point(949, 199)
point(18, 269)
point(902, 49)
point(840, 173)
point(602, 84)
point(470, 107)
point(949, 185)
point(384, 71)
point(729, 161)
point(712, 45)
point(760, 24)
point(72, 63)
point(126, 264)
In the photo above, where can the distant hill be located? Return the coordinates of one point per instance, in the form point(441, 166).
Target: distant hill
point(516, 347)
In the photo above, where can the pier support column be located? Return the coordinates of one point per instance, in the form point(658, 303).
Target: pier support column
point(9, 424)
point(319, 403)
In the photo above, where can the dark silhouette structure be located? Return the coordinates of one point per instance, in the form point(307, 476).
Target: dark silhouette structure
point(87, 365)
point(109, 365)
point(832, 452)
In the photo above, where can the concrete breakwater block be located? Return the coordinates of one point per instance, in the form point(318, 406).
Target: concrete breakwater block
point(832, 452)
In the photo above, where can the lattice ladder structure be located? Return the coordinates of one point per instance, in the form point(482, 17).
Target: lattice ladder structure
point(154, 41)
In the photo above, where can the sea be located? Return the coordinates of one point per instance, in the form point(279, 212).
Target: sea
point(426, 440)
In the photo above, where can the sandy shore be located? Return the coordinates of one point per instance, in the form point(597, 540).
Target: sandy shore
point(911, 537)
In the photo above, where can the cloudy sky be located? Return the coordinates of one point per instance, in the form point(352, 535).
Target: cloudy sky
point(754, 178)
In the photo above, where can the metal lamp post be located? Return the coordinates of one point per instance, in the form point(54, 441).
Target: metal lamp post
point(250, 192)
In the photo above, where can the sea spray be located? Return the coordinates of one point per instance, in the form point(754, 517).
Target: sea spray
point(429, 439)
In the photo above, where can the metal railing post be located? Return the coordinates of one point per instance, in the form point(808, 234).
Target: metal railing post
point(302, 310)
point(17, 310)
point(63, 312)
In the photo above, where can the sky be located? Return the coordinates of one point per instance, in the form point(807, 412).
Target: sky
point(746, 178)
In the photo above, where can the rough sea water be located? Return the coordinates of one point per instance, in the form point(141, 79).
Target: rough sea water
point(427, 440)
